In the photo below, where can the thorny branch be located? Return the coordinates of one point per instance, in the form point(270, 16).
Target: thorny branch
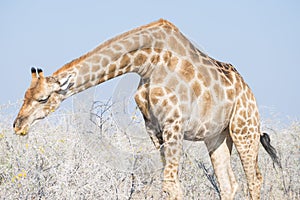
point(210, 176)
point(99, 110)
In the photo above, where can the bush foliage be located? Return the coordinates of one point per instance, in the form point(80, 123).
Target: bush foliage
point(70, 155)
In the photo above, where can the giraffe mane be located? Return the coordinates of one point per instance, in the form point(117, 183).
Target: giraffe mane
point(160, 22)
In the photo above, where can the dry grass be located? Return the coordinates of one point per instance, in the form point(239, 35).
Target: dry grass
point(66, 156)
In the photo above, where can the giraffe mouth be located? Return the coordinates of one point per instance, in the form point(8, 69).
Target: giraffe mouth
point(24, 131)
point(22, 126)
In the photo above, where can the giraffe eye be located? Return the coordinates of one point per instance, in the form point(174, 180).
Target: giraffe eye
point(43, 100)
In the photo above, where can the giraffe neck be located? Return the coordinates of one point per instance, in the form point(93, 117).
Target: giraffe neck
point(134, 51)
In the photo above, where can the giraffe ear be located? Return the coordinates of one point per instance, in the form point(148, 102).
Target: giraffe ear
point(33, 77)
point(40, 73)
point(33, 73)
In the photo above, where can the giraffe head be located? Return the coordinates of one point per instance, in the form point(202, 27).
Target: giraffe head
point(42, 97)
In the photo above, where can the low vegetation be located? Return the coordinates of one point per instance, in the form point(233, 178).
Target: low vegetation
point(77, 155)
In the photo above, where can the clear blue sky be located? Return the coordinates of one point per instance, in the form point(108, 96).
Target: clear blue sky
point(260, 38)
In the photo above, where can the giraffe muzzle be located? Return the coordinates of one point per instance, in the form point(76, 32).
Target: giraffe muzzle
point(19, 128)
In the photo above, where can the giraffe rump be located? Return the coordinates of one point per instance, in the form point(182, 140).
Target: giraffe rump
point(266, 143)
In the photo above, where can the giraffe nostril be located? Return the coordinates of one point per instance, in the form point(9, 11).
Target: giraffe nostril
point(17, 122)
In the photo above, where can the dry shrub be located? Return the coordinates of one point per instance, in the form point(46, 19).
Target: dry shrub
point(57, 161)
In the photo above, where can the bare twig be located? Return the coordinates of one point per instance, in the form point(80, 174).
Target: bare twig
point(210, 176)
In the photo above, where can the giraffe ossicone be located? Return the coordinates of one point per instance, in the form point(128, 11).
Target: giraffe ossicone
point(183, 94)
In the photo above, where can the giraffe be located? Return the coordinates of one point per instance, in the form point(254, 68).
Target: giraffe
point(183, 94)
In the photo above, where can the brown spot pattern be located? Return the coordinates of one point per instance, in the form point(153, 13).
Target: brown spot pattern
point(84, 69)
point(225, 81)
point(94, 59)
point(204, 77)
point(172, 63)
point(112, 68)
point(125, 60)
point(187, 71)
point(104, 62)
point(143, 105)
point(206, 62)
point(155, 94)
point(230, 94)
point(157, 50)
point(95, 68)
point(196, 88)
point(155, 59)
point(176, 46)
point(117, 47)
point(207, 102)
point(167, 56)
point(173, 82)
point(173, 99)
point(140, 59)
point(176, 129)
point(160, 75)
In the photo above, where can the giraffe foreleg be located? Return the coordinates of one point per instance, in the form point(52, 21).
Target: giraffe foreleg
point(141, 98)
point(171, 152)
point(154, 133)
point(168, 116)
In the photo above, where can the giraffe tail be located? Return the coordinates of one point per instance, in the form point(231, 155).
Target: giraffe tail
point(265, 141)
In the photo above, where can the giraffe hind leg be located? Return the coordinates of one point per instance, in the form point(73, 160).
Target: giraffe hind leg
point(219, 149)
point(245, 133)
